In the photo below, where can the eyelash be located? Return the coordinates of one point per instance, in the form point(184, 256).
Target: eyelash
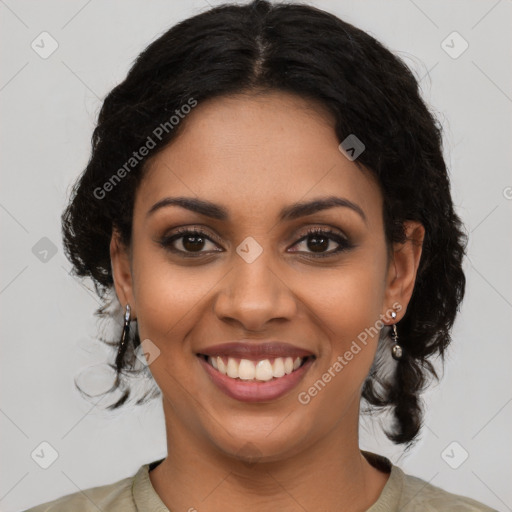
point(344, 244)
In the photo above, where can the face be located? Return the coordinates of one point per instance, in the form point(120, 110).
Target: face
point(259, 266)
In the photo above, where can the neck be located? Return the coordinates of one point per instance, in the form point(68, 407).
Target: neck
point(331, 474)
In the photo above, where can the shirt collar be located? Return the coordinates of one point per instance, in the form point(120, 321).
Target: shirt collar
point(146, 498)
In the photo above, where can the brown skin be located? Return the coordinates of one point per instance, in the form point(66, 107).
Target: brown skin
point(254, 155)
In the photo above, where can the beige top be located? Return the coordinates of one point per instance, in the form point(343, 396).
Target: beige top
point(402, 493)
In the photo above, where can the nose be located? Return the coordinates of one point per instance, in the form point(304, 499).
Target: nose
point(254, 294)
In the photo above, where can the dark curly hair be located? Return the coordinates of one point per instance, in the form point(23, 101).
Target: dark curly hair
point(232, 49)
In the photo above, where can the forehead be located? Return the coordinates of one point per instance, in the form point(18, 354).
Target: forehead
point(257, 153)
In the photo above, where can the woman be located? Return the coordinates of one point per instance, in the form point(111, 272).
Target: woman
point(268, 199)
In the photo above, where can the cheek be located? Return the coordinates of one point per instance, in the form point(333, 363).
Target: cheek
point(360, 300)
point(347, 314)
point(350, 298)
point(347, 308)
point(168, 297)
point(164, 291)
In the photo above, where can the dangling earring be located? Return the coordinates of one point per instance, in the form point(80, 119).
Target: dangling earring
point(396, 350)
point(124, 337)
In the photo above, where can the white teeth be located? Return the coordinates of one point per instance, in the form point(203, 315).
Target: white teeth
point(262, 370)
point(278, 368)
point(232, 368)
point(246, 369)
point(220, 364)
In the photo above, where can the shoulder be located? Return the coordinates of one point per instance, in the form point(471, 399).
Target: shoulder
point(115, 497)
point(408, 493)
point(419, 495)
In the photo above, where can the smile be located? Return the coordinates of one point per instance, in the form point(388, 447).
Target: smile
point(255, 380)
point(262, 370)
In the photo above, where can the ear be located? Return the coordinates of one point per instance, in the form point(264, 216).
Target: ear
point(121, 272)
point(402, 270)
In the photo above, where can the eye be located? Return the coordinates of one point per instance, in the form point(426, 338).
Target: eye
point(318, 241)
point(189, 242)
point(193, 242)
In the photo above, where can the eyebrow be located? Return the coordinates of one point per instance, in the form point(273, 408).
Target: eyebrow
point(294, 211)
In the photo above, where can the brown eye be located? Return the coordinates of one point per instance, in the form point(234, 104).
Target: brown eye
point(193, 243)
point(189, 241)
point(319, 241)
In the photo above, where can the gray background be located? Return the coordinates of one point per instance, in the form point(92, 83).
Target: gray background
point(48, 109)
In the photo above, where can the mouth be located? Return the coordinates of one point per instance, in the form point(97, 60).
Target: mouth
point(255, 380)
point(262, 370)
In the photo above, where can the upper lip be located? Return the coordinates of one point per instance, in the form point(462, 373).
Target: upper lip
point(250, 349)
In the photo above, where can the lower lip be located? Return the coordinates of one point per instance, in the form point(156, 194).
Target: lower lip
point(255, 391)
